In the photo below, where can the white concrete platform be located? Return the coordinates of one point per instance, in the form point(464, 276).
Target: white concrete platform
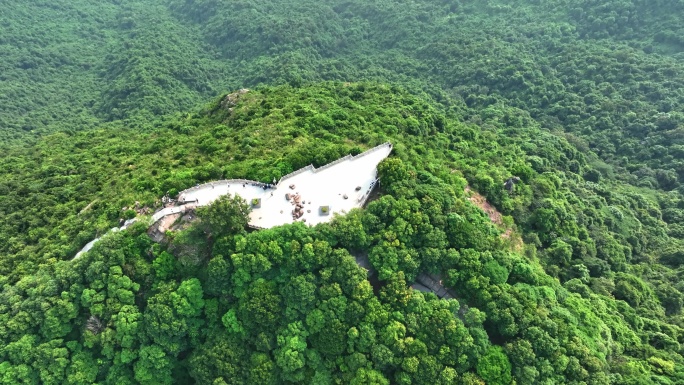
point(325, 186)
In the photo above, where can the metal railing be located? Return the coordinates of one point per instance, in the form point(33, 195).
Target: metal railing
point(293, 173)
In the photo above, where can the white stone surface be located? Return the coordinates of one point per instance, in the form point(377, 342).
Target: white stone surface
point(325, 186)
point(171, 210)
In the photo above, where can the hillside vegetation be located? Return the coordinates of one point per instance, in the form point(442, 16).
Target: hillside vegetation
point(105, 104)
point(582, 301)
point(609, 73)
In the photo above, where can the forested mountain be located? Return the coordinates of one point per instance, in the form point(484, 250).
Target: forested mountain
point(105, 104)
point(608, 72)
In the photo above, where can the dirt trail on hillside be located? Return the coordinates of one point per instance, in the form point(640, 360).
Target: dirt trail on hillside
point(495, 216)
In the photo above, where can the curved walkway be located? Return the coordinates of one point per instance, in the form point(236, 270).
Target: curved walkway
point(90, 244)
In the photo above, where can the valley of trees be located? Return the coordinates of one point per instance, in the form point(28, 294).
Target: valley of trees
point(105, 104)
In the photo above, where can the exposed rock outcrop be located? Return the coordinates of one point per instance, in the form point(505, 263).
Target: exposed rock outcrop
point(510, 183)
point(231, 100)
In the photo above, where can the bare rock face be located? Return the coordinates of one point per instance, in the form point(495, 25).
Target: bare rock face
point(231, 100)
point(158, 230)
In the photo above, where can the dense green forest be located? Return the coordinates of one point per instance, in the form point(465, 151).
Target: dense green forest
point(109, 103)
point(608, 73)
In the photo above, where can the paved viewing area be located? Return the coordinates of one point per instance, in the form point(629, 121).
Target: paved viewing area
point(310, 195)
